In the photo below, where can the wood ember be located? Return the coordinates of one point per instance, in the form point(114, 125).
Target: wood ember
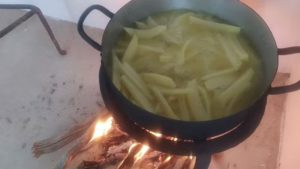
point(190, 164)
point(100, 164)
point(89, 165)
point(129, 159)
point(149, 160)
point(117, 149)
point(166, 163)
point(54, 144)
point(180, 162)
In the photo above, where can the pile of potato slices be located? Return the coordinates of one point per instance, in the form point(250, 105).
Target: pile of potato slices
point(186, 66)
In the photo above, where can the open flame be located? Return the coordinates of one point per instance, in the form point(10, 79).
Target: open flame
point(137, 151)
point(102, 128)
point(129, 154)
point(142, 152)
point(167, 159)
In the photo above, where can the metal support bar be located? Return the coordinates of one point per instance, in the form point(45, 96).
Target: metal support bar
point(33, 10)
point(16, 23)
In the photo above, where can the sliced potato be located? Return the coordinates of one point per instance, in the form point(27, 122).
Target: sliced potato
point(195, 103)
point(146, 33)
point(176, 91)
point(238, 49)
point(165, 105)
point(205, 98)
point(131, 49)
point(236, 100)
point(137, 96)
point(237, 87)
point(151, 22)
point(165, 58)
point(178, 21)
point(235, 61)
point(116, 71)
point(158, 79)
point(170, 38)
point(218, 74)
point(141, 25)
point(181, 55)
point(146, 48)
point(168, 50)
point(214, 25)
point(183, 108)
point(136, 79)
point(220, 82)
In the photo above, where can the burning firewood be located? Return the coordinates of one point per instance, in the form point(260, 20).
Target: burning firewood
point(130, 158)
point(117, 148)
point(54, 144)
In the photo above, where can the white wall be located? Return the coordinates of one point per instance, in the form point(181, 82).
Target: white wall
point(70, 10)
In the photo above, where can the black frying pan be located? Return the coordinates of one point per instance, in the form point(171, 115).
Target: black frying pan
point(232, 11)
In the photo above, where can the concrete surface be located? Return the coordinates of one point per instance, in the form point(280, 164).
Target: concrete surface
point(41, 92)
point(283, 18)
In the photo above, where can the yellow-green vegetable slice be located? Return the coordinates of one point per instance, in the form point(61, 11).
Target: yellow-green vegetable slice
point(220, 82)
point(214, 25)
point(136, 79)
point(137, 96)
point(165, 58)
point(167, 110)
point(218, 74)
point(181, 55)
point(150, 49)
point(176, 91)
point(131, 49)
point(158, 79)
point(236, 100)
point(205, 98)
point(237, 87)
point(151, 22)
point(183, 108)
point(195, 103)
point(237, 48)
point(235, 61)
point(141, 25)
point(116, 71)
point(146, 33)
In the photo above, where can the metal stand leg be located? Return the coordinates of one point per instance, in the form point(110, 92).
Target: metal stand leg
point(33, 10)
point(203, 161)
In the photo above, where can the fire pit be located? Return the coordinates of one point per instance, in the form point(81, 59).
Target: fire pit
point(147, 149)
point(135, 147)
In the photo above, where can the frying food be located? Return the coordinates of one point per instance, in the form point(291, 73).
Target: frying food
point(187, 66)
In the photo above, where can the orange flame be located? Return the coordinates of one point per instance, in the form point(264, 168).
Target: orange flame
point(167, 159)
point(102, 128)
point(142, 152)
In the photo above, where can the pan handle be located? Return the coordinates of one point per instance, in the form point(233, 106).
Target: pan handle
point(82, 18)
point(292, 87)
